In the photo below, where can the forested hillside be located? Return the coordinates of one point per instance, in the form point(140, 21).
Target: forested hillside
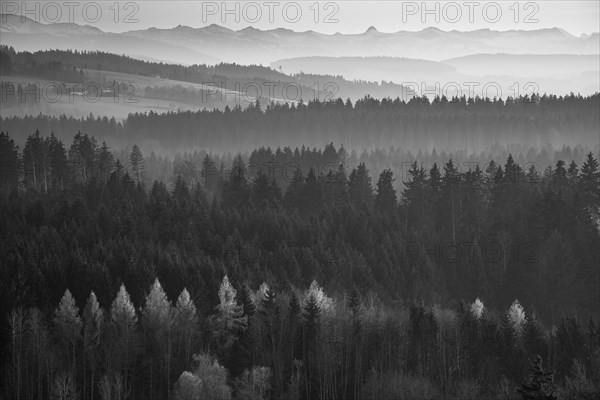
point(253, 80)
point(472, 125)
point(333, 284)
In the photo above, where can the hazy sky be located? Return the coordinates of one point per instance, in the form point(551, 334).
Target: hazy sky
point(576, 17)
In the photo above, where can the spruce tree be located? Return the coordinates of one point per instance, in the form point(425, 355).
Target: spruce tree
point(137, 163)
point(185, 322)
point(242, 352)
point(360, 188)
point(540, 385)
point(310, 346)
point(385, 199)
point(68, 324)
point(229, 322)
point(93, 321)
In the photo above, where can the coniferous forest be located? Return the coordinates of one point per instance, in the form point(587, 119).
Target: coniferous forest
point(220, 279)
point(452, 124)
point(292, 200)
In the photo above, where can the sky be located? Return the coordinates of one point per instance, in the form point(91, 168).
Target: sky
point(576, 17)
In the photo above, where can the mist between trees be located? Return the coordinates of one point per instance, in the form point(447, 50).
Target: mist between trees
point(471, 125)
point(397, 322)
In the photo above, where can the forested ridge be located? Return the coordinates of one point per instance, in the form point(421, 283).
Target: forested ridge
point(67, 66)
point(473, 125)
point(226, 282)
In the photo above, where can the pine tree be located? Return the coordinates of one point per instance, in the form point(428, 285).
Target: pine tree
point(229, 322)
point(105, 162)
point(335, 190)
point(236, 190)
point(316, 292)
point(570, 344)
point(360, 188)
point(68, 324)
point(540, 385)
point(572, 173)
point(186, 324)
point(413, 196)
point(261, 192)
point(82, 157)
point(35, 162)
point(312, 195)
point(516, 318)
point(293, 195)
point(157, 323)
point(122, 311)
point(450, 187)
point(477, 309)
point(123, 323)
point(242, 353)
point(156, 315)
point(295, 327)
point(137, 163)
point(310, 354)
point(58, 162)
point(93, 321)
point(590, 185)
point(534, 337)
point(186, 171)
point(210, 174)
point(9, 163)
point(385, 199)
point(270, 333)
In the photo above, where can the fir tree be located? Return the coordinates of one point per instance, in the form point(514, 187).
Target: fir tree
point(229, 322)
point(93, 321)
point(68, 324)
point(360, 188)
point(242, 353)
point(137, 163)
point(540, 385)
point(185, 323)
point(385, 199)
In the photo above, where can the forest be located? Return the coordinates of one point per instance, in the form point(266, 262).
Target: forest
point(67, 66)
point(473, 125)
point(227, 281)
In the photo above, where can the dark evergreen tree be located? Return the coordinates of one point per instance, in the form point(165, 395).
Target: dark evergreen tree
point(310, 349)
point(243, 351)
point(360, 188)
point(540, 385)
point(385, 199)
point(136, 160)
point(236, 190)
point(9, 163)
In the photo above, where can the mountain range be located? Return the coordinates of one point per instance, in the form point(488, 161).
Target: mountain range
point(550, 73)
point(214, 43)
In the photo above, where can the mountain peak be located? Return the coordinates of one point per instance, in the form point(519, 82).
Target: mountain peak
point(216, 28)
point(372, 29)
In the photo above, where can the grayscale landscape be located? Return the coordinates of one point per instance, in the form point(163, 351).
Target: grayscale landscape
point(299, 200)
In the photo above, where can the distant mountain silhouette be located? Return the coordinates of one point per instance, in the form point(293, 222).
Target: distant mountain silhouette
point(551, 73)
point(212, 43)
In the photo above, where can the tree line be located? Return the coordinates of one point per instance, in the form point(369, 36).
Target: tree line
point(473, 125)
